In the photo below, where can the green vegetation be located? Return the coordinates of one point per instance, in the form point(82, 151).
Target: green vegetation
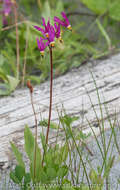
point(58, 170)
point(65, 163)
point(57, 166)
point(22, 61)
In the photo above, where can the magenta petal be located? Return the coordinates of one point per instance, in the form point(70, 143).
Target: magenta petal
point(57, 27)
point(56, 19)
point(46, 44)
point(48, 23)
point(7, 1)
point(43, 21)
point(7, 7)
point(41, 44)
point(7, 10)
point(65, 17)
point(51, 36)
point(47, 27)
point(52, 29)
point(38, 43)
point(39, 29)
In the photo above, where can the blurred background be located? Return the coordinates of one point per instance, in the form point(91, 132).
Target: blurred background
point(95, 35)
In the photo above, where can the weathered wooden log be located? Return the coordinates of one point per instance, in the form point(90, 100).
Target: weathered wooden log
point(73, 91)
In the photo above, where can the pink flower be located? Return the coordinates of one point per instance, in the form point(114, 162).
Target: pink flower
point(64, 22)
point(56, 30)
point(51, 32)
point(42, 45)
point(7, 7)
point(6, 10)
point(48, 32)
point(51, 38)
point(46, 29)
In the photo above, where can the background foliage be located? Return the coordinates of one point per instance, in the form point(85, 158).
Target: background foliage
point(95, 34)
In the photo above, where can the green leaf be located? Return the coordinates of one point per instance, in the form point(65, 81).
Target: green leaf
point(13, 82)
point(114, 10)
point(46, 12)
point(96, 179)
point(30, 150)
point(109, 166)
point(18, 155)
point(14, 178)
point(3, 76)
point(38, 164)
point(59, 8)
point(19, 172)
point(10, 83)
point(104, 33)
point(27, 178)
point(93, 176)
point(29, 142)
point(43, 141)
point(82, 136)
point(63, 153)
point(62, 172)
point(44, 123)
point(49, 157)
point(51, 173)
point(97, 6)
point(84, 187)
point(69, 120)
point(4, 89)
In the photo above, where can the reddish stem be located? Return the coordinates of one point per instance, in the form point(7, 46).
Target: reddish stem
point(51, 84)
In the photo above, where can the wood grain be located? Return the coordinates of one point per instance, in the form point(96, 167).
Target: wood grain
point(71, 91)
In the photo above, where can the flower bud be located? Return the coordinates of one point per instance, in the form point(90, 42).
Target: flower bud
point(30, 86)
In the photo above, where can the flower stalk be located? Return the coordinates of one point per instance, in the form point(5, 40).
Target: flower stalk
point(49, 33)
point(51, 84)
point(36, 125)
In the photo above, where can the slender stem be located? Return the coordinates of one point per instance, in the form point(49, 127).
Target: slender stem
point(50, 106)
point(90, 152)
point(25, 55)
point(14, 25)
point(17, 39)
point(36, 134)
point(85, 170)
point(51, 83)
point(39, 3)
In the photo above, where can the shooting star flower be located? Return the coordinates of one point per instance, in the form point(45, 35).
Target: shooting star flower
point(64, 22)
point(41, 45)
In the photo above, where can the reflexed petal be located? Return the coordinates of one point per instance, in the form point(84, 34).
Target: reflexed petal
point(51, 36)
point(43, 20)
point(57, 27)
point(56, 19)
point(39, 29)
point(48, 24)
point(65, 17)
point(52, 29)
point(38, 43)
point(41, 44)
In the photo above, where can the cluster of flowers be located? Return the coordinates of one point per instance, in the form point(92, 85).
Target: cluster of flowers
point(6, 9)
point(50, 32)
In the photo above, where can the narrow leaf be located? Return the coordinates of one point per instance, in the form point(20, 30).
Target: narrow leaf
point(18, 155)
